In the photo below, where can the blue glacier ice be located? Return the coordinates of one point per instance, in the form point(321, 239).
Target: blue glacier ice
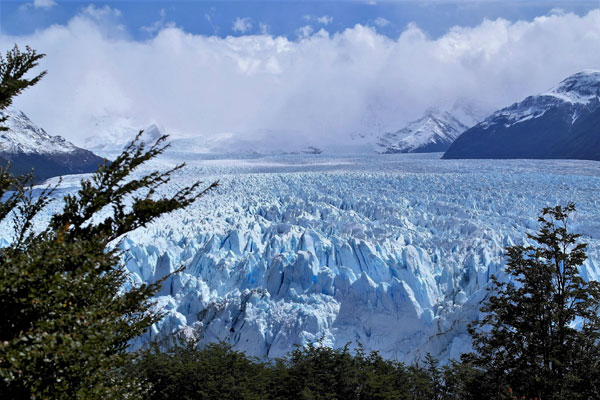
point(394, 252)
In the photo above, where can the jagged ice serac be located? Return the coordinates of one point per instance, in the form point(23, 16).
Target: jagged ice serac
point(394, 252)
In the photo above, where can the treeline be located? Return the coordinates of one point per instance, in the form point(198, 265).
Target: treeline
point(312, 372)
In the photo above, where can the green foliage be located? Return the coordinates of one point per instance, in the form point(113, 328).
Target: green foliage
point(13, 68)
point(68, 308)
point(527, 341)
point(215, 372)
point(449, 382)
point(67, 318)
point(317, 372)
point(311, 372)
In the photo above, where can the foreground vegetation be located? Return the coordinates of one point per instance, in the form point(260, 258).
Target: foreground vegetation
point(313, 372)
point(69, 311)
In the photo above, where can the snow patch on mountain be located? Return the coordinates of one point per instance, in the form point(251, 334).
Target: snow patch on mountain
point(112, 137)
point(27, 148)
point(580, 88)
point(576, 93)
point(434, 132)
point(25, 137)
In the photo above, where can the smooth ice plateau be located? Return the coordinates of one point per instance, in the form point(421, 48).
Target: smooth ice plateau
point(392, 251)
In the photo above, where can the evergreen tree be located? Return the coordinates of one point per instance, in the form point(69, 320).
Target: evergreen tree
point(541, 334)
point(12, 71)
point(320, 372)
point(68, 308)
point(312, 372)
point(67, 317)
point(185, 372)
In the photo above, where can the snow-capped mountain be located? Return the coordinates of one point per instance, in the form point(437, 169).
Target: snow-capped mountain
point(24, 137)
point(113, 136)
point(110, 139)
point(561, 123)
point(26, 146)
point(434, 132)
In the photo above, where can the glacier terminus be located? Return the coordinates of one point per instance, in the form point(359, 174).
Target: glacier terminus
point(391, 251)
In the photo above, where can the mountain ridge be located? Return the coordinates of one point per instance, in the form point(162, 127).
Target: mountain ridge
point(26, 147)
point(562, 123)
point(434, 132)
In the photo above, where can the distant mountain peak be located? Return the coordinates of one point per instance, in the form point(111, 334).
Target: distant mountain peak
point(561, 123)
point(574, 94)
point(113, 136)
point(434, 132)
point(153, 132)
point(581, 87)
point(23, 136)
point(26, 147)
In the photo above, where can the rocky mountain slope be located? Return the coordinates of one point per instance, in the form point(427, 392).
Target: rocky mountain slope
point(563, 123)
point(28, 147)
point(434, 132)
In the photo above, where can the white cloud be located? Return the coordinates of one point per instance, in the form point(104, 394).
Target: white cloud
point(209, 19)
point(304, 31)
point(39, 4)
point(323, 20)
point(320, 88)
point(158, 24)
point(46, 4)
point(101, 12)
point(381, 22)
point(264, 28)
point(242, 25)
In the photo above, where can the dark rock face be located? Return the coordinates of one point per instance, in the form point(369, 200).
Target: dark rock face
point(562, 124)
point(46, 166)
point(584, 141)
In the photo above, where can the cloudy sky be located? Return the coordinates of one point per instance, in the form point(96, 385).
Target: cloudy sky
point(281, 72)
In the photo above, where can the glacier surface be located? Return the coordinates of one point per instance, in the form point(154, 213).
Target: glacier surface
point(394, 252)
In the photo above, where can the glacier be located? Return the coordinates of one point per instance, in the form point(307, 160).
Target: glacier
point(392, 251)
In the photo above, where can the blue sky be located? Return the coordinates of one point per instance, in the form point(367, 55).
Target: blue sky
point(262, 74)
point(283, 18)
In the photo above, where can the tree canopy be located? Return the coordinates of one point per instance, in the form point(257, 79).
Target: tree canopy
point(540, 336)
point(13, 68)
